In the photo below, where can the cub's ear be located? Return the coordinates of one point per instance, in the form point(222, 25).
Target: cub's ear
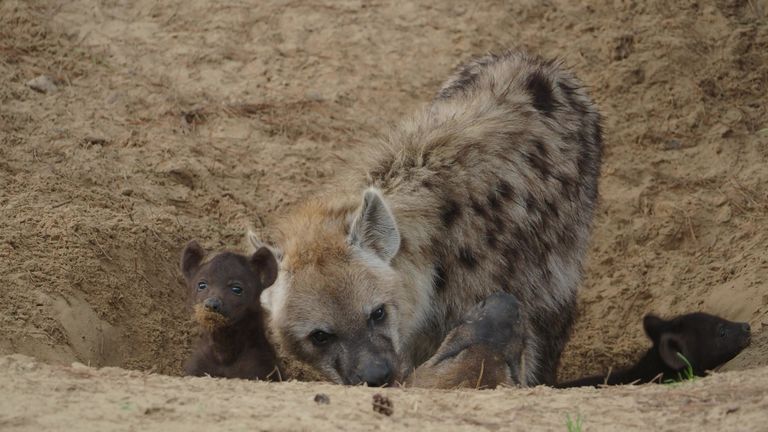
point(255, 243)
point(374, 227)
point(653, 326)
point(191, 258)
point(671, 346)
point(265, 264)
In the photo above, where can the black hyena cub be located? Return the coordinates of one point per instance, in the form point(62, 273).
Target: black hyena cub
point(704, 341)
point(225, 288)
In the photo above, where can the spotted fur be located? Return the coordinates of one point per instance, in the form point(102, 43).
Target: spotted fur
point(492, 187)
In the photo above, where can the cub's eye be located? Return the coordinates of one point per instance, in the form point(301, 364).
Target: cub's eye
point(723, 332)
point(320, 338)
point(237, 289)
point(201, 286)
point(379, 314)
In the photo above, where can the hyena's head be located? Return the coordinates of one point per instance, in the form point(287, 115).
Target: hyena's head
point(704, 341)
point(224, 287)
point(337, 303)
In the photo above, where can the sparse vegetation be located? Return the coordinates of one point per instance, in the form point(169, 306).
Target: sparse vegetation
point(573, 424)
point(687, 374)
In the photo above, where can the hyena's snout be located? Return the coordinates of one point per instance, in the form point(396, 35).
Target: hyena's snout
point(373, 370)
point(212, 304)
point(376, 373)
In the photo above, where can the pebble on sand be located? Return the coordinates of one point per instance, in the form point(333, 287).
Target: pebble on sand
point(42, 84)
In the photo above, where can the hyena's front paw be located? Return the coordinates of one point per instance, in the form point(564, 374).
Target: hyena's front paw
point(484, 351)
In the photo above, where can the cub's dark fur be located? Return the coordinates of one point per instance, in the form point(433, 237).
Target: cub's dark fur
point(705, 340)
point(225, 291)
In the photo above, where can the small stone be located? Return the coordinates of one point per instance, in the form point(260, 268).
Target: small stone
point(672, 144)
point(718, 201)
point(126, 192)
point(314, 96)
point(732, 116)
point(724, 214)
point(322, 399)
point(42, 84)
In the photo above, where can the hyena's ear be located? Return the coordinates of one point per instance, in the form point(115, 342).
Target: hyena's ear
point(654, 326)
point(374, 227)
point(255, 243)
point(265, 265)
point(671, 347)
point(191, 258)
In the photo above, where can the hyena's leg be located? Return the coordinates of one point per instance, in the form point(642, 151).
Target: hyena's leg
point(553, 331)
point(484, 351)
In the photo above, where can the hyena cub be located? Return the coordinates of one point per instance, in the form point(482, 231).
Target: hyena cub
point(225, 288)
point(491, 188)
point(699, 340)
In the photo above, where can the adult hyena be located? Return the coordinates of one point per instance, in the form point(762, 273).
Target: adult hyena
point(491, 188)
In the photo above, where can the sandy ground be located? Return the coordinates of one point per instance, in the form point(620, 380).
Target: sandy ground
point(195, 119)
point(40, 397)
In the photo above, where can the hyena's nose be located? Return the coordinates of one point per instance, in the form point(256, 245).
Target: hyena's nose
point(376, 374)
point(212, 304)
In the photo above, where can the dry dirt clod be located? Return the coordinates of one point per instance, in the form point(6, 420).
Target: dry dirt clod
point(672, 144)
point(194, 116)
point(322, 399)
point(95, 140)
point(42, 84)
point(382, 404)
point(623, 47)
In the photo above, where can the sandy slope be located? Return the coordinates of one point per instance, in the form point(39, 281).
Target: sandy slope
point(194, 119)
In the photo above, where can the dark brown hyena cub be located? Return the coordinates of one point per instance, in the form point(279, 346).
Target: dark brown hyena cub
point(698, 341)
point(225, 290)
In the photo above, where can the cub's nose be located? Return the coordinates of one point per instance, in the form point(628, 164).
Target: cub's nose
point(376, 374)
point(212, 304)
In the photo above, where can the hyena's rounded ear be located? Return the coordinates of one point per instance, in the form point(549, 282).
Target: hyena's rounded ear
point(255, 243)
point(673, 350)
point(191, 257)
point(653, 326)
point(265, 265)
point(374, 227)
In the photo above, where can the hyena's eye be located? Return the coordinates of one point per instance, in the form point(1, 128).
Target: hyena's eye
point(723, 331)
point(320, 338)
point(202, 285)
point(379, 314)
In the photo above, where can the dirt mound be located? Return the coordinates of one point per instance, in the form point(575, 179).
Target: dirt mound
point(162, 122)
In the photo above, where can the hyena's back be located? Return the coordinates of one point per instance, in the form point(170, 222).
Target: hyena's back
point(494, 187)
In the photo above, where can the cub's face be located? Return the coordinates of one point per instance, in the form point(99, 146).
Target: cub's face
point(705, 341)
point(226, 288)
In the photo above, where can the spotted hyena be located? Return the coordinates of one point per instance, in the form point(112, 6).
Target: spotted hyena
point(490, 188)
